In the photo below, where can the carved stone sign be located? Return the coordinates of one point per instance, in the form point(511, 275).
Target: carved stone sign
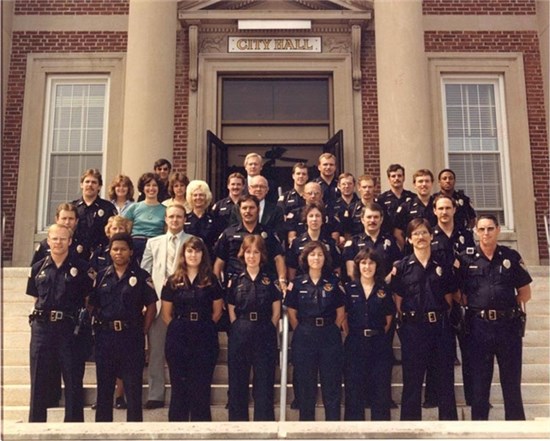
point(274, 44)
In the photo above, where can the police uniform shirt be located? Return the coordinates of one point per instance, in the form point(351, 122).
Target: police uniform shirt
point(221, 213)
point(123, 298)
point(422, 289)
point(101, 258)
point(464, 210)
point(294, 251)
point(60, 289)
point(92, 219)
point(290, 200)
point(385, 245)
point(202, 227)
point(294, 222)
point(330, 191)
point(341, 210)
point(445, 248)
point(371, 312)
point(413, 209)
point(228, 245)
point(256, 295)
point(355, 224)
point(492, 283)
point(312, 300)
point(390, 202)
point(43, 249)
point(192, 297)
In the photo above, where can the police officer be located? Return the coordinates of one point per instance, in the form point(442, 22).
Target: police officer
point(465, 215)
point(327, 178)
point(391, 199)
point(316, 312)
point(60, 283)
point(343, 206)
point(495, 284)
point(368, 345)
point(254, 304)
point(221, 210)
point(423, 295)
point(313, 216)
point(122, 291)
point(93, 213)
point(101, 257)
point(191, 305)
point(294, 198)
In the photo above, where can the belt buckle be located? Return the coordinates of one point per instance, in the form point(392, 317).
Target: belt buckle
point(56, 316)
point(253, 316)
point(367, 332)
point(491, 314)
point(319, 321)
point(194, 316)
point(432, 317)
point(117, 325)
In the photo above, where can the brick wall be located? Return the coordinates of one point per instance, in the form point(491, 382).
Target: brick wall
point(369, 100)
point(72, 7)
point(24, 43)
point(479, 7)
point(526, 43)
point(181, 110)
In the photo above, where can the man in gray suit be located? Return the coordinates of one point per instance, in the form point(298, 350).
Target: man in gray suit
point(160, 259)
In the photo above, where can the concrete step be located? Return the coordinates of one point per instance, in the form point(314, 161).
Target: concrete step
point(219, 413)
point(533, 393)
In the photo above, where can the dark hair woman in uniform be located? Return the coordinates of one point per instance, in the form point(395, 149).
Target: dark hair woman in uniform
point(191, 305)
point(254, 305)
point(316, 312)
point(368, 347)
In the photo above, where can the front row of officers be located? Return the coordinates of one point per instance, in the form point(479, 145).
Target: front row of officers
point(432, 295)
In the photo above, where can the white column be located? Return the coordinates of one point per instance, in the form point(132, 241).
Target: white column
point(402, 80)
point(150, 85)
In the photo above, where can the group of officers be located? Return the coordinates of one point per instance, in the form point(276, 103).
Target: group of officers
point(342, 262)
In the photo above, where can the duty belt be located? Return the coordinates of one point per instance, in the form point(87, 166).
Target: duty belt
point(365, 332)
point(116, 325)
point(494, 314)
point(317, 321)
point(254, 316)
point(192, 316)
point(50, 316)
point(418, 317)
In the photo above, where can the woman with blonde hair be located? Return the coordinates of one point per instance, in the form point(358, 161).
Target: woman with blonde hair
point(198, 221)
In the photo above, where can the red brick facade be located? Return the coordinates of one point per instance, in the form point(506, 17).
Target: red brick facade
point(72, 7)
point(25, 43)
point(527, 43)
point(478, 7)
point(181, 110)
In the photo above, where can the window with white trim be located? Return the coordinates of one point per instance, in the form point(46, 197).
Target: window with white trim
point(476, 143)
point(75, 134)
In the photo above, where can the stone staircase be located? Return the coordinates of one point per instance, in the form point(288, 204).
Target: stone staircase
point(15, 365)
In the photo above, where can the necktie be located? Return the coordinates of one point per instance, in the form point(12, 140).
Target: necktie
point(171, 254)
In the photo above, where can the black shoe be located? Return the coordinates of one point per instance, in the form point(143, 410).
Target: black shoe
point(428, 405)
point(393, 405)
point(120, 403)
point(294, 405)
point(154, 404)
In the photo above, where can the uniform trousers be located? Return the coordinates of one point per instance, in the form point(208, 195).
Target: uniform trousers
point(191, 353)
point(119, 355)
point(252, 345)
point(500, 339)
point(318, 351)
point(51, 343)
point(155, 369)
point(368, 365)
point(421, 342)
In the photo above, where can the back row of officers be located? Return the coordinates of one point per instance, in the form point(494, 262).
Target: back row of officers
point(171, 270)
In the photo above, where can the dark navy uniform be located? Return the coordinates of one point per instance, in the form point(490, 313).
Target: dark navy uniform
point(92, 219)
point(494, 324)
point(355, 224)
point(120, 341)
point(202, 227)
point(385, 245)
point(191, 348)
point(425, 332)
point(252, 344)
point(60, 294)
point(294, 222)
point(330, 191)
point(293, 253)
point(221, 213)
point(413, 209)
point(317, 343)
point(341, 211)
point(43, 250)
point(368, 354)
point(390, 202)
point(465, 213)
point(228, 245)
point(290, 200)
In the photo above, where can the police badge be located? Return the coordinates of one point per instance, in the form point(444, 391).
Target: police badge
point(266, 281)
point(439, 271)
point(380, 294)
point(100, 212)
point(73, 271)
point(328, 287)
point(132, 281)
point(506, 263)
